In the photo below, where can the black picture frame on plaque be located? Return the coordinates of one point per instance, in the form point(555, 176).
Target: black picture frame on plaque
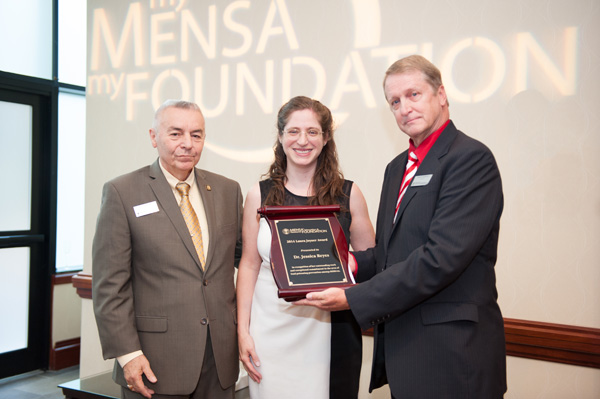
point(309, 251)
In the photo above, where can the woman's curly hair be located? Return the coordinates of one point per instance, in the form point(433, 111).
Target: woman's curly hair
point(328, 179)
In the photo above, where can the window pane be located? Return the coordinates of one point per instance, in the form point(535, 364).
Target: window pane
point(26, 37)
point(14, 298)
point(15, 161)
point(71, 41)
point(71, 178)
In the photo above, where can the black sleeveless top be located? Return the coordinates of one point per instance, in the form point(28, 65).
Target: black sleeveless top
point(344, 217)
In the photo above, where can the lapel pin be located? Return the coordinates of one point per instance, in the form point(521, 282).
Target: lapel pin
point(208, 188)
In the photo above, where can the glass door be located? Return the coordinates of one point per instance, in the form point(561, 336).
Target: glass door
point(24, 221)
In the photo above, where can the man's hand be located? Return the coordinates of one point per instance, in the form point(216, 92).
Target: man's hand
point(331, 299)
point(133, 371)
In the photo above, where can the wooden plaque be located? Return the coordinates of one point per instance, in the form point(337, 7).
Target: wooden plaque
point(309, 251)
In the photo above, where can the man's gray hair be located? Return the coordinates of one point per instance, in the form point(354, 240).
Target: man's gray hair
point(175, 104)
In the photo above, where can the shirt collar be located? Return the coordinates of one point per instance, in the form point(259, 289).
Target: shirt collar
point(422, 150)
point(172, 180)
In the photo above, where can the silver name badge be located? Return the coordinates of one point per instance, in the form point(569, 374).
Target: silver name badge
point(422, 180)
point(145, 209)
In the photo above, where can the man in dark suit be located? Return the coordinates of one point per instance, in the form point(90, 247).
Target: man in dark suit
point(428, 287)
point(164, 297)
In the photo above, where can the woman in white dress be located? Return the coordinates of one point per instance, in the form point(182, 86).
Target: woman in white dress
point(287, 349)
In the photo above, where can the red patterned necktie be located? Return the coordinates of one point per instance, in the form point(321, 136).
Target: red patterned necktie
point(411, 169)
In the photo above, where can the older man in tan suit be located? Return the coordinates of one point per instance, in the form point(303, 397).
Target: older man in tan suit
point(167, 239)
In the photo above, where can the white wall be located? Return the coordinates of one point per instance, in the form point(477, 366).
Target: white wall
point(66, 313)
point(521, 77)
point(91, 362)
point(533, 379)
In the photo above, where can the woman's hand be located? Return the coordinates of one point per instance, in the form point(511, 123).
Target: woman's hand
point(249, 357)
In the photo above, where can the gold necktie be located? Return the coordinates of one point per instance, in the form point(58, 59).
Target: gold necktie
point(191, 220)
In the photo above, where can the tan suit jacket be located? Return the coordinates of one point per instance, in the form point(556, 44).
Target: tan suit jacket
point(149, 290)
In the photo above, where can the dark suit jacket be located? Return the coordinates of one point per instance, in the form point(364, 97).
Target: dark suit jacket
point(149, 290)
point(429, 283)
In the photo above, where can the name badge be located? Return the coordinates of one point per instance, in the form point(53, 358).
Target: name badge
point(145, 209)
point(422, 180)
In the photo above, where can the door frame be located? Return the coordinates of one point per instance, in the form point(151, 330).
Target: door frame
point(41, 236)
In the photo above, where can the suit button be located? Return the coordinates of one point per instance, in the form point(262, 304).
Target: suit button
point(204, 321)
point(205, 283)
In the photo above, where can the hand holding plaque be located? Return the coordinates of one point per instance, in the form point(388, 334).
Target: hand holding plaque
point(309, 251)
